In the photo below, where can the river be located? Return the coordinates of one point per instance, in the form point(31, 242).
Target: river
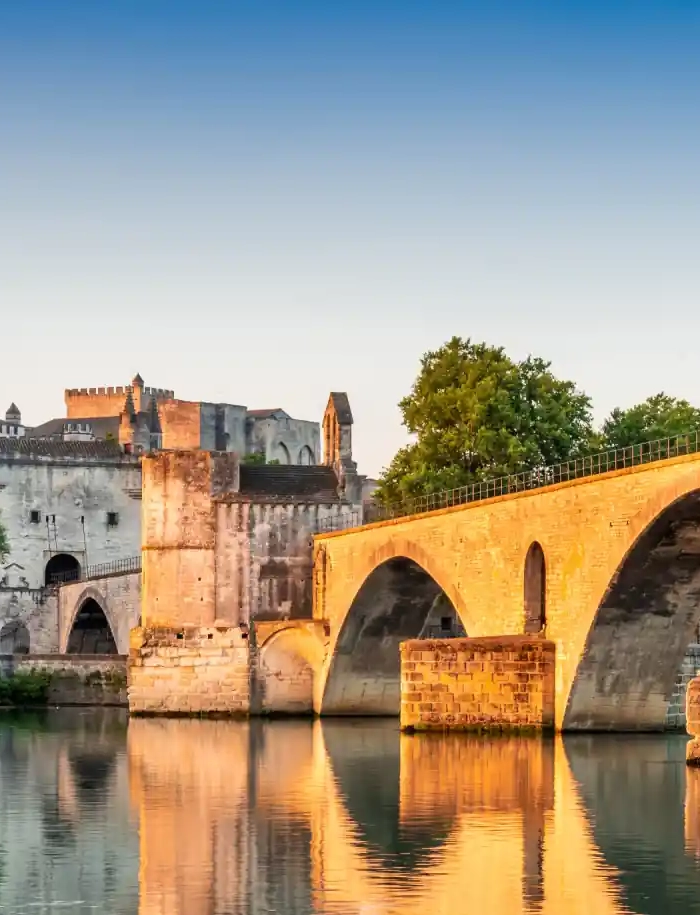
point(185, 817)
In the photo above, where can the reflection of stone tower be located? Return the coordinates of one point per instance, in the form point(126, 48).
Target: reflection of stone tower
point(337, 445)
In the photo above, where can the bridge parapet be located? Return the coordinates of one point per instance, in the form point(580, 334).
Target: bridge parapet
point(592, 465)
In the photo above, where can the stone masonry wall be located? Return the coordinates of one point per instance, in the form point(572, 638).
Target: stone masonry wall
point(498, 683)
point(181, 425)
point(586, 529)
point(189, 671)
point(71, 500)
point(75, 679)
point(675, 717)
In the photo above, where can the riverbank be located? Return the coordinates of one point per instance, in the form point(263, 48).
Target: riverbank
point(63, 680)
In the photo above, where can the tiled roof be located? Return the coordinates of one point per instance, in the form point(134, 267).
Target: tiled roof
point(44, 447)
point(102, 426)
point(317, 484)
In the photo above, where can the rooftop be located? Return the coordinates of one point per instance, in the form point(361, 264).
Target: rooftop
point(316, 484)
point(43, 447)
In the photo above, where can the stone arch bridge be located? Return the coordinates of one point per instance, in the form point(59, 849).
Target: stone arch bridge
point(616, 587)
point(96, 615)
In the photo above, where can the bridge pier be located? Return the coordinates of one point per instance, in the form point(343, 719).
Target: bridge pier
point(692, 719)
point(505, 683)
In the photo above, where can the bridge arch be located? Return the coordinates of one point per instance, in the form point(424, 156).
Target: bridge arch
point(288, 662)
point(91, 629)
point(644, 619)
point(395, 591)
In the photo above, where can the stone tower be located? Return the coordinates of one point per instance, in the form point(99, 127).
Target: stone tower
point(337, 444)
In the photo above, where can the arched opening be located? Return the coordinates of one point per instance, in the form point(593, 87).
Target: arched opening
point(14, 638)
point(634, 653)
point(392, 605)
point(91, 632)
point(306, 457)
point(286, 678)
point(535, 590)
point(281, 453)
point(61, 567)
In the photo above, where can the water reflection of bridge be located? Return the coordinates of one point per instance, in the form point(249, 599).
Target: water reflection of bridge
point(353, 817)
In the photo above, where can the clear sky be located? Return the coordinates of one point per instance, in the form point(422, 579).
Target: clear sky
point(258, 202)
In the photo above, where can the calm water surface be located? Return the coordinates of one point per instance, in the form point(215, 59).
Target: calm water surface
point(184, 817)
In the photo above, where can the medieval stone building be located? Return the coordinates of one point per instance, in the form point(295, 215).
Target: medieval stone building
point(143, 419)
point(70, 501)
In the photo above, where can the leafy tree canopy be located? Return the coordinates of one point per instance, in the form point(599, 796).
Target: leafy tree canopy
point(658, 417)
point(477, 414)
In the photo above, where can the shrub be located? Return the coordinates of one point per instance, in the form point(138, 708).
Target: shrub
point(25, 688)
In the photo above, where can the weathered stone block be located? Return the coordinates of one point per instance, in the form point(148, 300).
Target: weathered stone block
point(488, 692)
point(194, 674)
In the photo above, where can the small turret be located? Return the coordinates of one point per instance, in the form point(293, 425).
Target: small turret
point(137, 392)
point(13, 414)
point(127, 423)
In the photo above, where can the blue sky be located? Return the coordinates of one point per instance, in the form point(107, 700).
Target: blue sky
point(258, 202)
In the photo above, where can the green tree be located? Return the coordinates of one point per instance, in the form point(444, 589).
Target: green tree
point(258, 457)
point(658, 417)
point(4, 542)
point(255, 457)
point(477, 414)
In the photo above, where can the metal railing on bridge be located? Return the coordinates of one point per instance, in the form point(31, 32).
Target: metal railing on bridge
point(577, 468)
point(337, 523)
point(100, 570)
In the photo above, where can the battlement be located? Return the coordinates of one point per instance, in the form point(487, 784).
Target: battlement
point(109, 401)
point(97, 392)
point(162, 393)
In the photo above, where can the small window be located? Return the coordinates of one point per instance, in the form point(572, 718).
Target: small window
point(112, 519)
point(446, 623)
point(35, 517)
